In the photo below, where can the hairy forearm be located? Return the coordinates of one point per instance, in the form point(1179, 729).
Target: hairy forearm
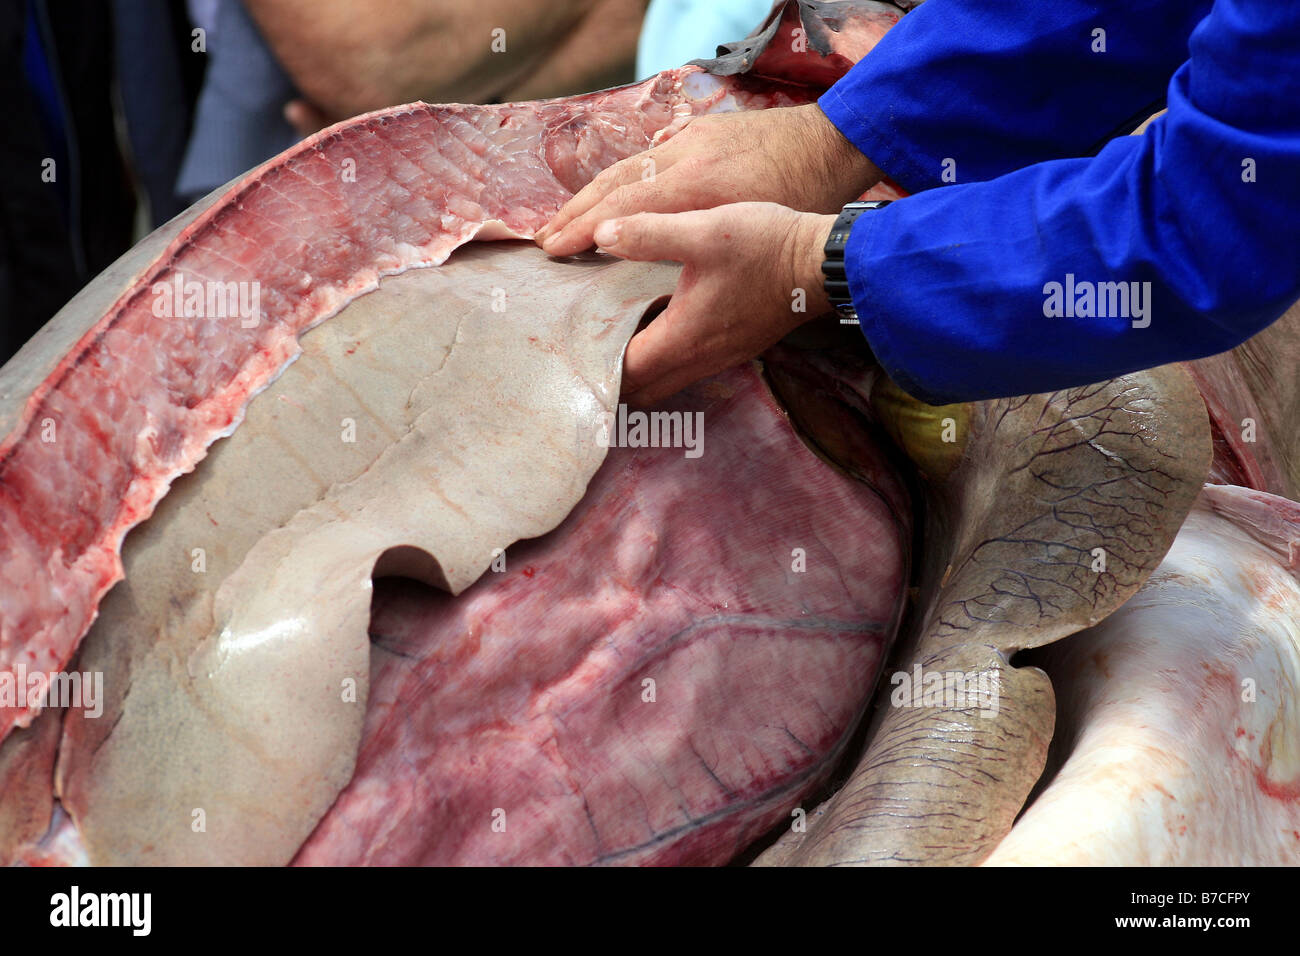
point(847, 172)
point(347, 58)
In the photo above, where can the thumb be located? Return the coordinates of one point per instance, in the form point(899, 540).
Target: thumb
point(653, 236)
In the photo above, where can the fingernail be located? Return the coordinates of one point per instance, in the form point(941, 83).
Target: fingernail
point(550, 241)
point(541, 234)
point(606, 233)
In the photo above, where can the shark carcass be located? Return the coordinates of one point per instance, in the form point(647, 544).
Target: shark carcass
point(386, 593)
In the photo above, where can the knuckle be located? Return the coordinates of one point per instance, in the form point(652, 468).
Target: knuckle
point(693, 166)
point(631, 197)
point(610, 175)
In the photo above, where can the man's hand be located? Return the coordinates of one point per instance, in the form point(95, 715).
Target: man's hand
point(749, 270)
point(793, 156)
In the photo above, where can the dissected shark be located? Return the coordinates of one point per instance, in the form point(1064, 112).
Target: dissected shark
point(600, 654)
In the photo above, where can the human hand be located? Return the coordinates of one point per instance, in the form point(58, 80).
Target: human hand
point(793, 156)
point(752, 273)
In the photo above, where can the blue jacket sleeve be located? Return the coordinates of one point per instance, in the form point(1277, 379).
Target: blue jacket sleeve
point(1173, 245)
point(994, 85)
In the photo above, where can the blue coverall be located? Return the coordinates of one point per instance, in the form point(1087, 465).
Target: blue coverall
point(1012, 106)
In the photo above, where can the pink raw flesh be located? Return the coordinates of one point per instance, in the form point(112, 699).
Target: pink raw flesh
point(139, 399)
point(526, 692)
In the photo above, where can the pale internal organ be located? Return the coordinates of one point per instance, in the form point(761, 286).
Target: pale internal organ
point(1179, 721)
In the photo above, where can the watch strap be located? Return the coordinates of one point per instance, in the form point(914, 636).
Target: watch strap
point(837, 279)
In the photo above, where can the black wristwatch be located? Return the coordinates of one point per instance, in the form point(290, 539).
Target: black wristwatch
point(837, 280)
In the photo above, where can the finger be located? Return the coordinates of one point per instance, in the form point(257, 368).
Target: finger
point(637, 197)
point(605, 182)
point(670, 385)
point(654, 237)
point(649, 356)
point(669, 352)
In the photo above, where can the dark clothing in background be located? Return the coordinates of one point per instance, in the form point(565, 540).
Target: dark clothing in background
point(159, 77)
point(56, 80)
point(192, 120)
point(196, 120)
point(239, 121)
